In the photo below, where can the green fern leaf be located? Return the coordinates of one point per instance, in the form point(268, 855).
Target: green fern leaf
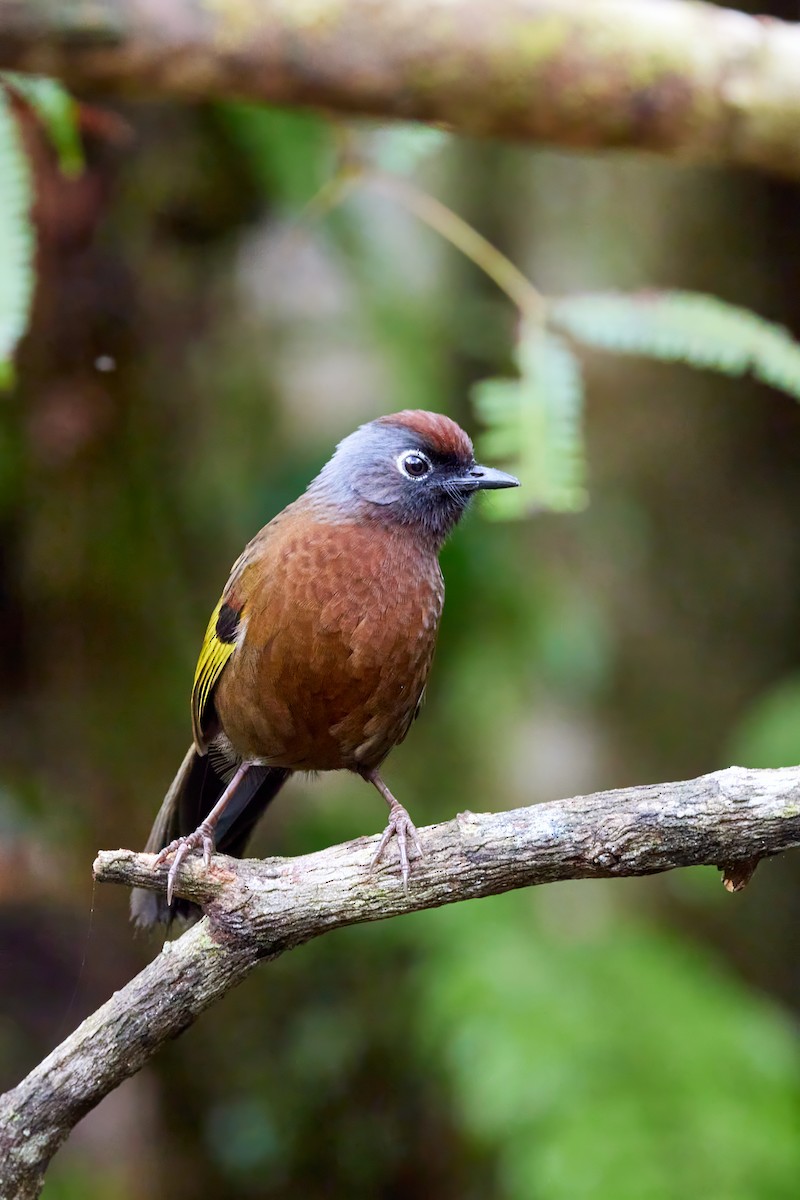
point(535, 425)
point(58, 113)
point(16, 240)
point(684, 327)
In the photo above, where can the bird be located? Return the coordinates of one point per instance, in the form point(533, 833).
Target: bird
point(317, 655)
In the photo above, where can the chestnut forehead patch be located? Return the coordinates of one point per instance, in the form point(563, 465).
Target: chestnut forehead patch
point(435, 431)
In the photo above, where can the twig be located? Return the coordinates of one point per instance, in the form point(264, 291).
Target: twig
point(520, 291)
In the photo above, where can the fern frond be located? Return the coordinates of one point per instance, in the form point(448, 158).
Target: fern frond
point(535, 426)
point(16, 239)
point(687, 327)
point(57, 112)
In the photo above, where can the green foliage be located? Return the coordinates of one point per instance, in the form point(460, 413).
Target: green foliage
point(16, 240)
point(607, 1061)
point(402, 148)
point(534, 424)
point(79, 1180)
point(290, 153)
point(684, 327)
point(57, 112)
point(769, 733)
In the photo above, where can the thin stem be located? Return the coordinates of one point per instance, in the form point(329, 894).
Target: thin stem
point(332, 193)
point(530, 302)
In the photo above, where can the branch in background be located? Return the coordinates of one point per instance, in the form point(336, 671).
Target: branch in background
point(689, 80)
point(256, 910)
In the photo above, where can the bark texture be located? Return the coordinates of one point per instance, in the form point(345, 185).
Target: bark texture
point(256, 910)
point(694, 81)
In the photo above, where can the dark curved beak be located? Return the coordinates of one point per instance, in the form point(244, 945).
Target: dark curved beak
point(485, 479)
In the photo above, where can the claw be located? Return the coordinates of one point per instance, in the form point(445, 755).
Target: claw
point(181, 847)
point(402, 827)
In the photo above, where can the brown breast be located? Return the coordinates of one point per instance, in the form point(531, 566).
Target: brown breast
point(340, 624)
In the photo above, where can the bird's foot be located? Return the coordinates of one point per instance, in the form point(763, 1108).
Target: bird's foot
point(182, 847)
point(402, 827)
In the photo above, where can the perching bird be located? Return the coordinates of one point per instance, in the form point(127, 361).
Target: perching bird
point(317, 655)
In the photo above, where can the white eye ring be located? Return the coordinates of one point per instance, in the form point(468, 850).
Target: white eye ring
point(403, 469)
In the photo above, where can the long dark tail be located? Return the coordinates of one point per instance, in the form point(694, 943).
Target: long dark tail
point(193, 793)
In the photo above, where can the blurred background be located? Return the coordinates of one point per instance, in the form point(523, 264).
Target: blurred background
point(195, 354)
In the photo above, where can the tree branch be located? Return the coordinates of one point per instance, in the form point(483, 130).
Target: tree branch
point(256, 910)
point(690, 80)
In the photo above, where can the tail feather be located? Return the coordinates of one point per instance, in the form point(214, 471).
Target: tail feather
point(193, 793)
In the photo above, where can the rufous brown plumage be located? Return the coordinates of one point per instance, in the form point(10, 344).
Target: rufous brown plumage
point(317, 655)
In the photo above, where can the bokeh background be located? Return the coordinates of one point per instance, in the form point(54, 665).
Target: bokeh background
point(194, 355)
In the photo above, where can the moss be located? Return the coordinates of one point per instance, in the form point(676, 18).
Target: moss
point(311, 14)
point(540, 39)
point(236, 22)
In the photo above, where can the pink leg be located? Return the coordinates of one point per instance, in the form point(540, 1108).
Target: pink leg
point(400, 826)
point(202, 836)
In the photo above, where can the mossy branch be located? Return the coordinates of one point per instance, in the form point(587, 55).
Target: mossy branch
point(693, 81)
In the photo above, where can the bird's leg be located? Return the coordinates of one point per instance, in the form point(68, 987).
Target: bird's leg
point(400, 826)
point(202, 836)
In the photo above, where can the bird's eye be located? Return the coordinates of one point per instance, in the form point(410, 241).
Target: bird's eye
point(415, 464)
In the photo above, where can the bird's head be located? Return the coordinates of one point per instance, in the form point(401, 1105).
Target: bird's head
point(412, 468)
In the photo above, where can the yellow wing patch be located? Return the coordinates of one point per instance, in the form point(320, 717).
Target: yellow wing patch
point(210, 665)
